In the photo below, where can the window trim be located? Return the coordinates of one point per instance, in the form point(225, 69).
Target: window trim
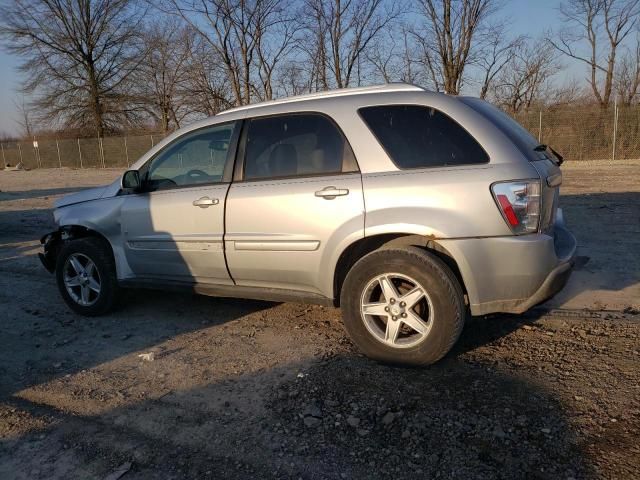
point(426, 166)
point(227, 173)
point(238, 175)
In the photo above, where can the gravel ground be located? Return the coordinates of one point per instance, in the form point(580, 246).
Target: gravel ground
point(244, 389)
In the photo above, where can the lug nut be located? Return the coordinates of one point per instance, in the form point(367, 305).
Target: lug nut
point(403, 304)
point(392, 301)
point(394, 317)
point(404, 315)
point(386, 309)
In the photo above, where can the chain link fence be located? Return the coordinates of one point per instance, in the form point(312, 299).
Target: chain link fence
point(587, 133)
point(578, 133)
point(108, 152)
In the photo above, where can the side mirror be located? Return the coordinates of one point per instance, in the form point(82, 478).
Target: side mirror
point(131, 180)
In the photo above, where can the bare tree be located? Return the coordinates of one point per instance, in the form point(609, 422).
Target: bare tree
point(627, 76)
point(206, 90)
point(341, 32)
point(314, 44)
point(241, 33)
point(384, 58)
point(568, 94)
point(26, 120)
point(271, 50)
point(162, 74)
point(78, 55)
point(447, 38)
point(294, 79)
point(593, 23)
point(496, 52)
point(524, 79)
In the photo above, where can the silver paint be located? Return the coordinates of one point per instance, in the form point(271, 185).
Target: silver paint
point(287, 234)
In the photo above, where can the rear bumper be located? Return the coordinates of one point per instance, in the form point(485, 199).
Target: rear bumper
point(513, 274)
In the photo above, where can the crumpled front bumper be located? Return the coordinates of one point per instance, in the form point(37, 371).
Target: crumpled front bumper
point(513, 274)
point(50, 243)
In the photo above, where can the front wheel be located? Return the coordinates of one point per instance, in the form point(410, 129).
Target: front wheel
point(86, 276)
point(403, 306)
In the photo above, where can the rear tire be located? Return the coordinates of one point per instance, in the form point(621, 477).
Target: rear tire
point(403, 306)
point(86, 276)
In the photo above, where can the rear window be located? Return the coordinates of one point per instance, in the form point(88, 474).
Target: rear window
point(416, 137)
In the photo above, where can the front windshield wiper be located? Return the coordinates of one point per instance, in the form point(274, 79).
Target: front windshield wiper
point(541, 148)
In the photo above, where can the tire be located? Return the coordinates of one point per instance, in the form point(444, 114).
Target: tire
point(441, 310)
point(102, 275)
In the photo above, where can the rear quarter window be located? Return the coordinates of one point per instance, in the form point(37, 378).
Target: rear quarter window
point(417, 137)
point(520, 137)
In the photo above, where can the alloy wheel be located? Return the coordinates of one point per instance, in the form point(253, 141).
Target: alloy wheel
point(396, 310)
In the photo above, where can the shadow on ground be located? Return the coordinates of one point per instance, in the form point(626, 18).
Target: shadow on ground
point(334, 416)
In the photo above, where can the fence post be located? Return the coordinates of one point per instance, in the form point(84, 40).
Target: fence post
point(35, 152)
point(540, 128)
point(80, 153)
point(615, 129)
point(126, 151)
point(101, 151)
point(20, 153)
point(151, 140)
point(58, 149)
point(4, 160)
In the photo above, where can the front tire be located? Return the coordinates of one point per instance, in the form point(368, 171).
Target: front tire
point(86, 276)
point(403, 306)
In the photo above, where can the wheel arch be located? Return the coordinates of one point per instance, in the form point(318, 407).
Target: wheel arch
point(363, 246)
point(54, 241)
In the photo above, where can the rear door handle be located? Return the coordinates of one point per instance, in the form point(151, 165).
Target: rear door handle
point(329, 193)
point(205, 202)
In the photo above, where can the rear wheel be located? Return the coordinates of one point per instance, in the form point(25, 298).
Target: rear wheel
point(403, 306)
point(86, 276)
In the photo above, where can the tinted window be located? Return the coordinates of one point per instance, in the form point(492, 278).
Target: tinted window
point(416, 137)
point(512, 129)
point(294, 145)
point(197, 157)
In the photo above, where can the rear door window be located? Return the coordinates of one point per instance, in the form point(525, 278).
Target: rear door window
point(417, 137)
point(295, 145)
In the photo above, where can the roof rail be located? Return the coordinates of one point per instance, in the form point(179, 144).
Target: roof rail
point(340, 92)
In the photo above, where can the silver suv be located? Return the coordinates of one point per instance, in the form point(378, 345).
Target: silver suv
point(408, 209)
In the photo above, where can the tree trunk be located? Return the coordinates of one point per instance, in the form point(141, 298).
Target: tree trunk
point(95, 101)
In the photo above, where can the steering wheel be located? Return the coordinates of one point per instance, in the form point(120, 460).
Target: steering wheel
point(195, 174)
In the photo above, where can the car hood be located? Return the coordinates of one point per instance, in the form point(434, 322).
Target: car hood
point(89, 194)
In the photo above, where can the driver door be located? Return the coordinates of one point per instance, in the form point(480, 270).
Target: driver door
point(174, 229)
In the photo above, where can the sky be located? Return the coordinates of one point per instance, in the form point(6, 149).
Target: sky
point(527, 17)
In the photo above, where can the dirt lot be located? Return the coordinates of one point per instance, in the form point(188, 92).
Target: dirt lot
point(243, 389)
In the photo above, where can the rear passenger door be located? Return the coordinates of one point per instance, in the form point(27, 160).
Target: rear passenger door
point(296, 196)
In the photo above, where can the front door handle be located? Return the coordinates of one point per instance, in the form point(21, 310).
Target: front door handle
point(205, 202)
point(329, 193)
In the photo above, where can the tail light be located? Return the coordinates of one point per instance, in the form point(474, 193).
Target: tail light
point(519, 203)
